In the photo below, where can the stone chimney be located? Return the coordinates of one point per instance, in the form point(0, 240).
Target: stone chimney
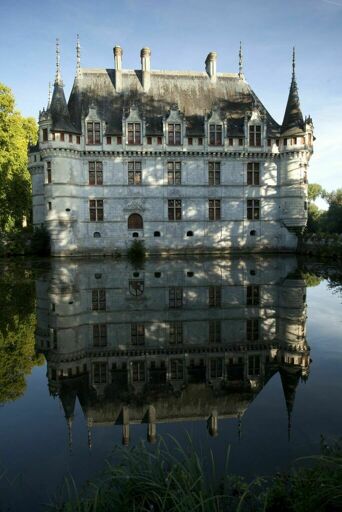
point(145, 55)
point(210, 65)
point(117, 50)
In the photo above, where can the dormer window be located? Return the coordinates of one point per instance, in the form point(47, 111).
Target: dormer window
point(215, 135)
point(45, 134)
point(255, 135)
point(174, 134)
point(93, 133)
point(134, 133)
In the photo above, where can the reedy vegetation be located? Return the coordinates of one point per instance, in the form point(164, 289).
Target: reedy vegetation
point(171, 479)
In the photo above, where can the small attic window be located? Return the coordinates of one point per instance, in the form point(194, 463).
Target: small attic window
point(190, 141)
point(45, 134)
point(149, 140)
point(159, 140)
point(62, 137)
point(109, 139)
point(240, 141)
point(93, 133)
point(200, 141)
point(78, 139)
point(119, 139)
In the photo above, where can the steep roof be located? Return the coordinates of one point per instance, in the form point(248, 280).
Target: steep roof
point(293, 118)
point(59, 111)
point(193, 93)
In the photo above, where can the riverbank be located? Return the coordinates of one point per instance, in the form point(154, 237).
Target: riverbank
point(171, 479)
point(321, 245)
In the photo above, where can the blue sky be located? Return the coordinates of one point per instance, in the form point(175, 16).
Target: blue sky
point(180, 35)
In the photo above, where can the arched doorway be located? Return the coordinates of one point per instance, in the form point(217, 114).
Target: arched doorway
point(135, 221)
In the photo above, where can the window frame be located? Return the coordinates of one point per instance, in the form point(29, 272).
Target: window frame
point(98, 299)
point(174, 209)
point(134, 173)
point(253, 209)
point(174, 172)
point(134, 130)
point(174, 134)
point(138, 334)
point(215, 134)
point(95, 173)
point(96, 210)
point(99, 335)
point(214, 209)
point(93, 133)
point(214, 173)
point(253, 174)
point(254, 135)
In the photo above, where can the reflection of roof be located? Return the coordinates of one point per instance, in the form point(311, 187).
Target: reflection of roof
point(193, 94)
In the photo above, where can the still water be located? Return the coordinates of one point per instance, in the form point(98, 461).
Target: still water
point(242, 352)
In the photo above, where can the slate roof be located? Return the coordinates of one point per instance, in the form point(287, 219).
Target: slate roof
point(193, 93)
point(59, 112)
point(293, 118)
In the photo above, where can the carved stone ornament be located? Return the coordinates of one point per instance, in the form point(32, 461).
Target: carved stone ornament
point(135, 205)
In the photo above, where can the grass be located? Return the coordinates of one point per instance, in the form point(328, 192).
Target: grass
point(171, 479)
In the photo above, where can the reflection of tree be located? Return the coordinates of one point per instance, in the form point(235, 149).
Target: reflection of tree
point(17, 331)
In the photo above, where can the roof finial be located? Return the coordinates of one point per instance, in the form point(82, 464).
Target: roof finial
point(58, 79)
point(78, 56)
point(293, 63)
point(49, 96)
point(240, 61)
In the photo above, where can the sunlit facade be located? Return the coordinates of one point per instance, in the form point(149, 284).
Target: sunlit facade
point(183, 161)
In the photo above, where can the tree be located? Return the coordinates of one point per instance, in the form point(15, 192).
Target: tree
point(333, 218)
point(314, 213)
point(16, 134)
point(314, 191)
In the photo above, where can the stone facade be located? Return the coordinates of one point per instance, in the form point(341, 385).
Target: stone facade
point(194, 157)
point(178, 339)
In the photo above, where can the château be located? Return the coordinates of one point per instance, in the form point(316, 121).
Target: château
point(184, 161)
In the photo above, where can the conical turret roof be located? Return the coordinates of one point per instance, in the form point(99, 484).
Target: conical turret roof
point(293, 118)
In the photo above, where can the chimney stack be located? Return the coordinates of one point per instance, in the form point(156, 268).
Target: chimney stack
point(210, 65)
point(145, 55)
point(117, 50)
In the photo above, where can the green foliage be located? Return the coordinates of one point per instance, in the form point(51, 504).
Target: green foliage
point(40, 241)
point(136, 252)
point(16, 134)
point(17, 331)
point(314, 191)
point(311, 279)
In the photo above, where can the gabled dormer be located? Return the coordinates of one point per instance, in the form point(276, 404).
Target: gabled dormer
point(255, 126)
point(215, 128)
point(174, 127)
point(94, 127)
point(133, 127)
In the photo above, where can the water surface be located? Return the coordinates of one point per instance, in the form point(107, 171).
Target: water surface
point(236, 352)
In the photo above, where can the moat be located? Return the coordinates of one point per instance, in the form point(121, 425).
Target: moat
point(243, 352)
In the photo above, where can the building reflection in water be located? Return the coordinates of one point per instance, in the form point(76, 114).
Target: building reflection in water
point(176, 340)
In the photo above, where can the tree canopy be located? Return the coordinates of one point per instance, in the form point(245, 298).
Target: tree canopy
point(329, 221)
point(16, 134)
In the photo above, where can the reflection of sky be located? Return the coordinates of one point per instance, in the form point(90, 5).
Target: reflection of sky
point(181, 34)
point(33, 434)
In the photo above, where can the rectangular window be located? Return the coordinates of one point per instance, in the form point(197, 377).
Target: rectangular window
point(215, 135)
point(134, 173)
point(285, 142)
point(137, 334)
point(214, 331)
point(99, 335)
point(119, 139)
point(95, 173)
point(174, 134)
point(253, 173)
point(149, 140)
point(216, 368)
point(159, 140)
point(175, 333)
point(214, 173)
point(174, 209)
point(48, 171)
point(45, 134)
point(70, 137)
point(177, 369)
point(174, 175)
point(96, 210)
point(252, 329)
point(100, 373)
point(230, 141)
point(78, 139)
point(93, 133)
point(253, 295)
point(49, 206)
point(98, 299)
point(294, 140)
point(109, 139)
point(214, 295)
point(269, 142)
point(190, 141)
point(138, 371)
point(175, 297)
point(214, 209)
point(240, 141)
point(134, 133)
point(62, 137)
point(253, 209)
point(254, 365)
point(255, 135)
point(200, 141)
